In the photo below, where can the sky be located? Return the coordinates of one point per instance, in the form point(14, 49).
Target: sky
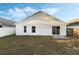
point(19, 11)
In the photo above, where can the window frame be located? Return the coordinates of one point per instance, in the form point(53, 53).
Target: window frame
point(25, 29)
point(33, 29)
point(56, 30)
point(0, 26)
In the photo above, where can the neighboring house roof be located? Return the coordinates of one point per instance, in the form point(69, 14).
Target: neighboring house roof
point(7, 21)
point(72, 22)
point(39, 14)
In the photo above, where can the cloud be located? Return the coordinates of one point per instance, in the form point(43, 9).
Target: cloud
point(16, 13)
point(29, 9)
point(50, 11)
point(21, 13)
point(77, 8)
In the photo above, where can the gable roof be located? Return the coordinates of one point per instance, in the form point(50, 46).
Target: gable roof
point(76, 20)
point(42, 13)
point(6, 21)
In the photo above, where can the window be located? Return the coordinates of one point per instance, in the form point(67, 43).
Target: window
point(53, 30)
point(33, 29)
point(56, 30)
point(25, 29)
point(0, 26)
point(69, 31)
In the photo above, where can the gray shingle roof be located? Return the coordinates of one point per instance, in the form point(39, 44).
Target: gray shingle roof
point(6, 21)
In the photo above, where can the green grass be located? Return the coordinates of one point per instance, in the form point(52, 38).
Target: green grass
point(37, 45)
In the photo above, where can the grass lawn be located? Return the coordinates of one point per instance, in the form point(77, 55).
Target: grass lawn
point(38, 45)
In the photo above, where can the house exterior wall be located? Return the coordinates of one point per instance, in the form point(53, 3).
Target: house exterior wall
point(72, 26)
point(63, 31)
point(41, 29)
point(6, 31)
